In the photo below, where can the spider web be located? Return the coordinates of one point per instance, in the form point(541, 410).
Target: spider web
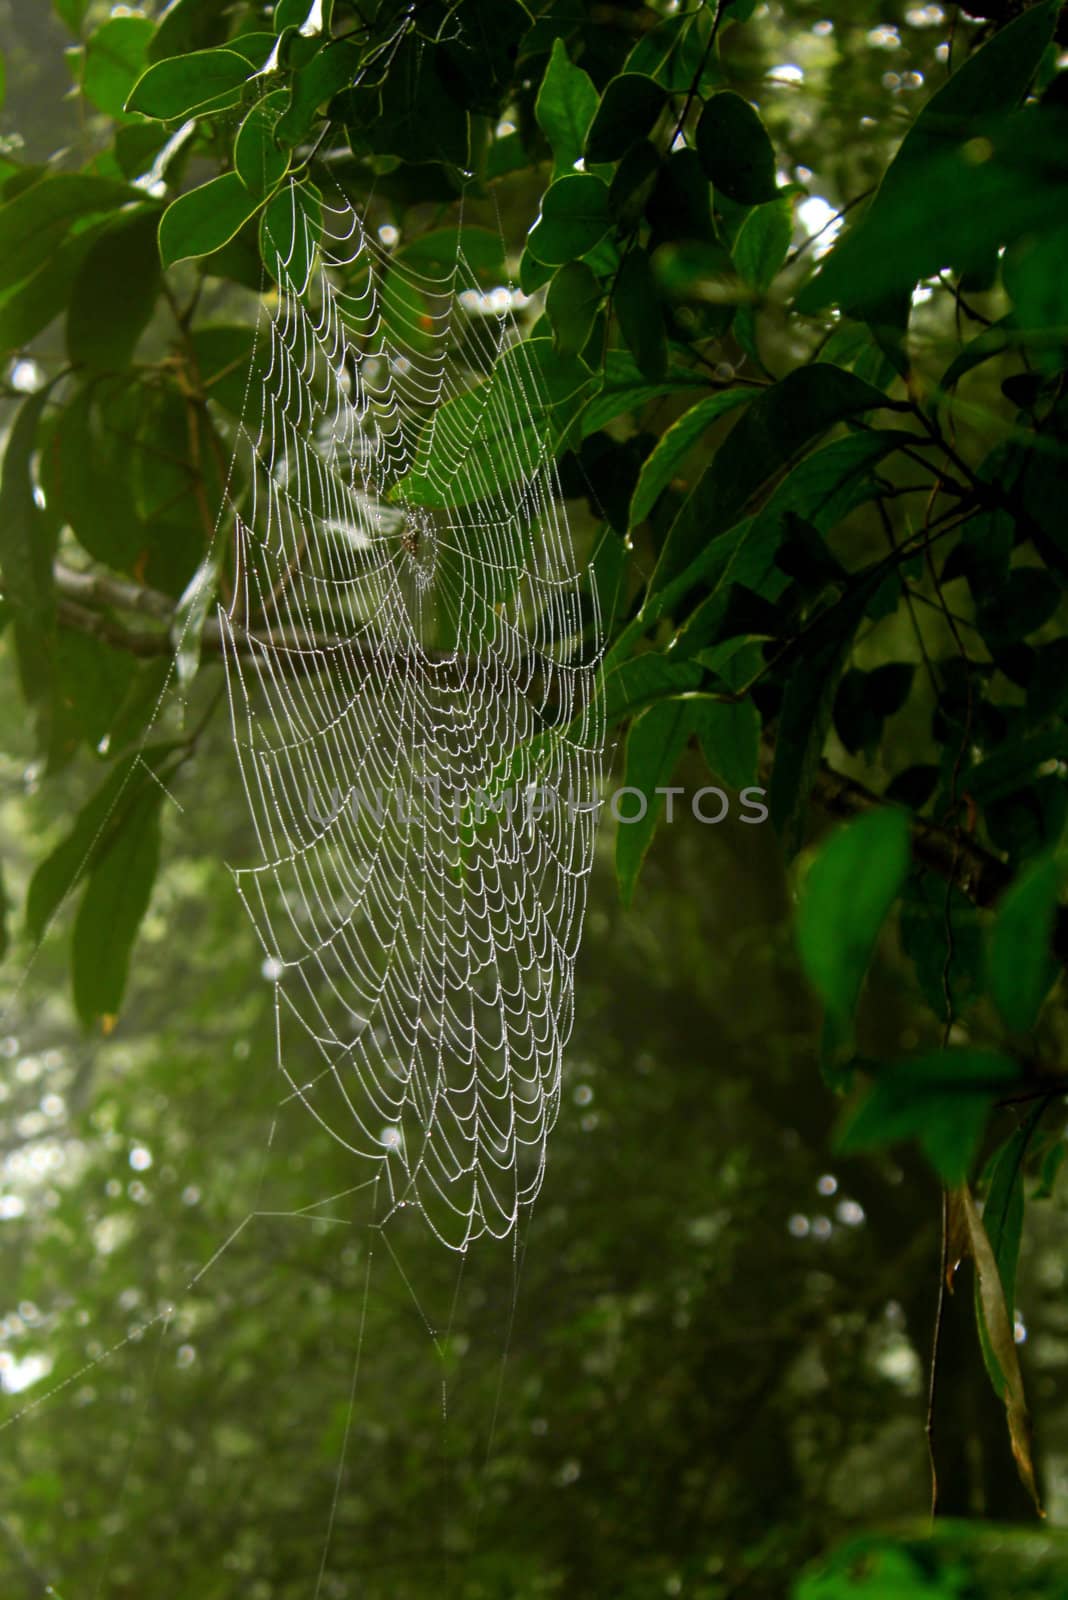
point(413, 661)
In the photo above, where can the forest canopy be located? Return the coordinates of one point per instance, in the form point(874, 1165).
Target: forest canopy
point(773, 305)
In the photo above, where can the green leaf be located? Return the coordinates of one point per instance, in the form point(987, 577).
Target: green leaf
point(497, 434)
point(1021, 966)
point(942, 1100)
point(565, 107)
point(808, 705)
point(654, 744)
point(644, 679)
point(115, 56)
point(258, 161)
point(205, 219)
point(937, 203)
point(290, 230)
point(111, 911)
point(675, 51)
point(673, 446)
point(572, 304)
point(623, 390)
point(114, 294)
point(735, 150)
point(421, 121)
point(188, 25)
point(628, 109)
point(33, 304)
point(845, 899)
point(641, 321)
point(333, 69)
point(71, 13)
point(940, 934)
point(729, 734)
point(435, 253)
point(38, 218)
point(98, 823)
point(575, 216)
point(763, 243)
point(186, 85)
point(26, 552)
point(633, 183)
point(1003, 1212)
point(773, 430)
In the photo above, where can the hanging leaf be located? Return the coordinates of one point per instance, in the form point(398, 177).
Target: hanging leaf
point(565, 107)
point(641, 321)
point(729, 734)
point(115, 57)
point(96, 826)
point(114, 294)
point(763, 243)
point(571, 305)
point(629, 107)
point(575, 216)
point(772, 431)
point(190, 85)
point(26, 545)
point(970, 1236)
point(654, 744)
point(942, 1100)
point(205, 219)
point(845, 899)
point(674, 445)
point(111, 911)
point(37, 219)
point(735, 150)
point(1021, 965)
point(258, 161)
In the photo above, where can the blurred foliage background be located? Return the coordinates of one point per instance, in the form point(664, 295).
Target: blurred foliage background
point(705, 1369)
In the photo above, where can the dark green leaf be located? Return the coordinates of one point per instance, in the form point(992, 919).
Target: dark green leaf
point(633, 182)
point(763, 242)
point(729, 734)
point(656, 740)
point(641, 321)
point(781, 421)
point(511, 422)
point(628, 109)
point(572, 303)
point(330, 70)
point(942, 200)
point(188, 25)
point(26, 552)
point(941, 935)
point(290, 230)
point(942, 1100)
point(1021, 964)
point(205, 219)
point(575, 216)
point(421, 120)
point(96, 826)
point(845, 899)
point(565, 107)
point(114, 294)
point(735, 150)
point(115, 57)
point(37, 219)
point(116, 898)
point(187, 85)
point(258, 161)
point(675, 444)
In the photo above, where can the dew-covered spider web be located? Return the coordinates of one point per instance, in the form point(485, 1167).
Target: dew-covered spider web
point(412, 656)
